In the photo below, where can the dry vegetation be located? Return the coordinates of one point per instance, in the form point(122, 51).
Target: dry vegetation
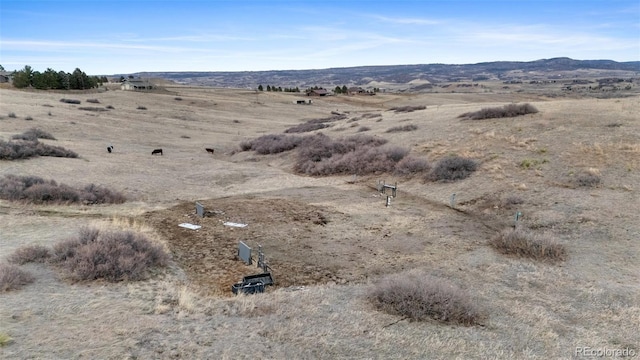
point(420, 297)
point(506, 111)
point(425, 278)
point(12, 277)
point(36, 190)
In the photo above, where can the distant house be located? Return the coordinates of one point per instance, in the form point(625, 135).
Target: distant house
point(6, 77)
point(136, 85)
point(356, 91)
point(317, 92)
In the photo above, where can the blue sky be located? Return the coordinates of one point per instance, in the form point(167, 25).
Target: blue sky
point(113, 37)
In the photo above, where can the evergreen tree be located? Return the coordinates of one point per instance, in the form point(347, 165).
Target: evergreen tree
point(23, 78)
point(260, 88)
point(344, 89)
point(63, 80)
point(268, 88)
point(337, 90)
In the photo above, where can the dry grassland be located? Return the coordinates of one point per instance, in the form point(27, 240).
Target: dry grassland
point(328, 239)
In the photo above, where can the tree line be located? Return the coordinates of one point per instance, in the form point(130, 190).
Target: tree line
point(279, 88)
point(58, 80)
point(338, 89)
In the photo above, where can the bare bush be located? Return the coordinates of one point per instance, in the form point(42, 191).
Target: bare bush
point(110, 255)
point(28, 118)
point(510, 110)
point(12, 115)
point(419, 297)
point(140, 107)
point(12, 150)
point(110, 107)
point(411, 166)
point(29, 254)
point(408, 108)
point(402, 128)
point(93, 101)
point(271, 144)
point(334, 117)
point(92, 108)
point(588, 179)
point(306, 127)
point(511, 201)
point(70, 101)
point(34, 134)
point(520, 243)
point(363, 128)
point(360, 154)
point(12, 277)
point(452, 168)
point(32, 189)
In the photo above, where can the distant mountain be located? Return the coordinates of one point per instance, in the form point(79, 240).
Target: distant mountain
point(385, 76)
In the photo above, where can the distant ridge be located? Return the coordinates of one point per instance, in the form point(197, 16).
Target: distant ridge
point(555, 68)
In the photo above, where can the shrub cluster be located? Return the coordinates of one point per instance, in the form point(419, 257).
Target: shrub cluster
point(92, 108)
point(11, 150)
point(588, 179)
point(410, 166)
point(33, 189)
point(402, 128)
point(360, 154)
point(33, 134)
point(407, 108)
point(70, 101)
point(421, 297)
point(452, 168)
point(12, 277)
point(319, 155)
point(29, 254)
point(520, 243)
point(316, 124)
point(110, 255)
point(306, 127)
point(509, 110)
point(271, 144)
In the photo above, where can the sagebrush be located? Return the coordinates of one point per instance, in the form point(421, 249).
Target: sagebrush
point(110, 255)
point(524, 243)
point(408, 108)
point(402, 128)
point(411, 166)
point(29, 254)
point(418, 297)
point(12, 277)
point(33, 189)
point(34, 134)
point(510, 110)
point(15, 150)
point(452, 168)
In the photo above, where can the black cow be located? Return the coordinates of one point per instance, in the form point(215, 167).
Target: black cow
point(156, 151)
point(209, 150)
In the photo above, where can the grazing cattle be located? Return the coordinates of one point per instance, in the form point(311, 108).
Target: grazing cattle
point(156, 151)
point(209, 150)
point(110, 148)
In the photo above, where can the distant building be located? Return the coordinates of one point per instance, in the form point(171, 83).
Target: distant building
point(317, 92)
point(6, 77)
point(136, 85)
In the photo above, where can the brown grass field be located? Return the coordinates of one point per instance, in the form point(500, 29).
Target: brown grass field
point(318, 307)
